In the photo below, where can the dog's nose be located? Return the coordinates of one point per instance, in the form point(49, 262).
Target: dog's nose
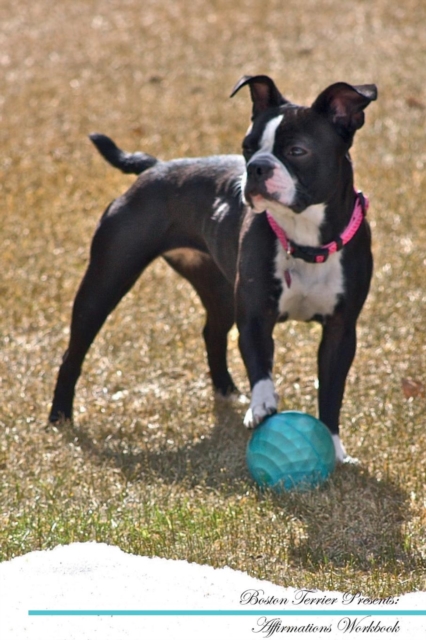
point(259, 169)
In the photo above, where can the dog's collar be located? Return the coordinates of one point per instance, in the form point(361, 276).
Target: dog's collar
point(321, 253)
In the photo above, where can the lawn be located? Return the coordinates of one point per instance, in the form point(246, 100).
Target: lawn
point(152, 463)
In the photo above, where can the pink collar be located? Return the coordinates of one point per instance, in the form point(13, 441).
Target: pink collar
point(321, 253)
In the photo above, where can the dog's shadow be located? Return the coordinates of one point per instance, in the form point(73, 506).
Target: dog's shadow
point(215, 460)
point(354, 519)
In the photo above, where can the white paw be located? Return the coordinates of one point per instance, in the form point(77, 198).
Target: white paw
point(341, 456)
point(264, 402)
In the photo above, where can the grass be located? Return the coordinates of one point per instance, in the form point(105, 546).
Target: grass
point(152, 463)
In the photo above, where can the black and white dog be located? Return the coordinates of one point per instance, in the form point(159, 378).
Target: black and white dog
point(280, 235)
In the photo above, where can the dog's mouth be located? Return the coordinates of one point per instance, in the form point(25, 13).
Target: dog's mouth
point(258, 199)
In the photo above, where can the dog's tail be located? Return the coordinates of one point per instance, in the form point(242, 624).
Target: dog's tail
point(126, 162)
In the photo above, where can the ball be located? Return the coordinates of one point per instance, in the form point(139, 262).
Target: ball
point(291, 450)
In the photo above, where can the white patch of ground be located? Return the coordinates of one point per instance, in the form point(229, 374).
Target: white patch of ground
point(94, 576)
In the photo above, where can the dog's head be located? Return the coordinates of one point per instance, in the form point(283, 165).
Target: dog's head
point(295, 154)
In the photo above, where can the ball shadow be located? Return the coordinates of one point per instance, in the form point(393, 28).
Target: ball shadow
point(355, 521)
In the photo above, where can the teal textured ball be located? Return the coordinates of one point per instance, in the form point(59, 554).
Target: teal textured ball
point(291, 450)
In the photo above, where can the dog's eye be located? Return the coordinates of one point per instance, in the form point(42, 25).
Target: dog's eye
point(297, 151)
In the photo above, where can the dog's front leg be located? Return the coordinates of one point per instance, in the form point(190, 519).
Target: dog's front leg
point(257, 349)
point(256, 306)
point(335, 356)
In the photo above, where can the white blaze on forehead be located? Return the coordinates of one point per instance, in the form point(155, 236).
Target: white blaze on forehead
point(268, 137)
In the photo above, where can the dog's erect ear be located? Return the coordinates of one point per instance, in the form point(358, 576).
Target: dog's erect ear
point(344, 106)
point(264, 93)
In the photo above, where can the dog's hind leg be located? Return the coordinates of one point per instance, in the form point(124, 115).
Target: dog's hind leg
point(217, 296)
point(119, 254)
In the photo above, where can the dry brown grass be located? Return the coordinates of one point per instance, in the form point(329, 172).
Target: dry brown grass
point(152, 464)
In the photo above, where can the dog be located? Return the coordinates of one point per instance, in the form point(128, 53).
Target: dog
point(276, 234)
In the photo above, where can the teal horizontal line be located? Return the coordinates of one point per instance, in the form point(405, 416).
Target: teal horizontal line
point(221, 612)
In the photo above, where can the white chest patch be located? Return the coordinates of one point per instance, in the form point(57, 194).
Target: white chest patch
point(307, 289)
point(314, 288)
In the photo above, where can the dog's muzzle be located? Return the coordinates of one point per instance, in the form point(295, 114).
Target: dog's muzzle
point(267, 179)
